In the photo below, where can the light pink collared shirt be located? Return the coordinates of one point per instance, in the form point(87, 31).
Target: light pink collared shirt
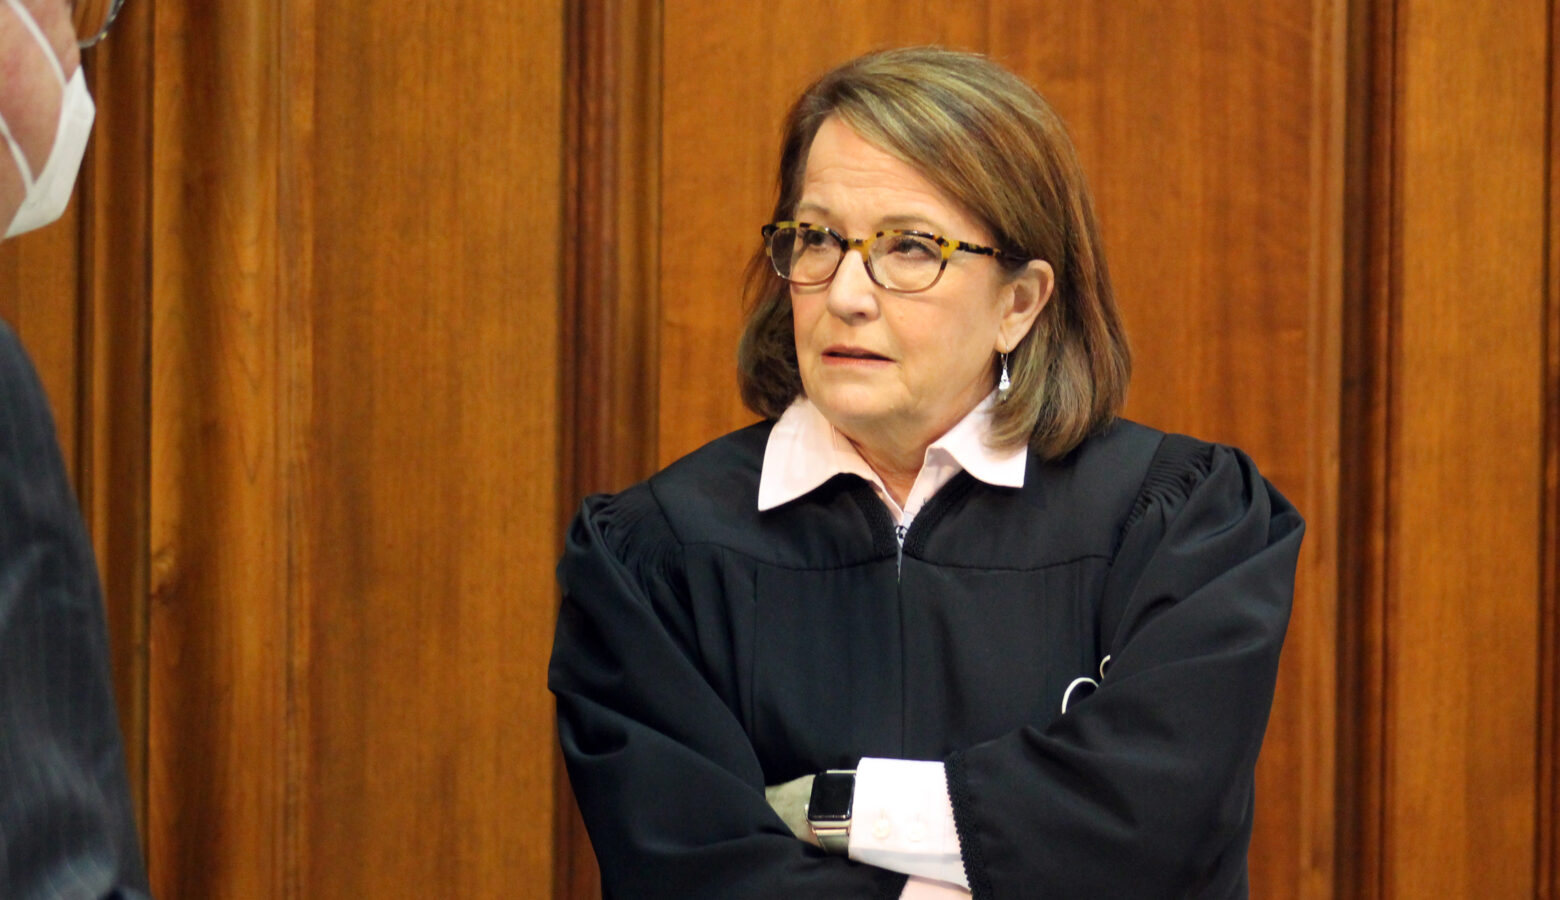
point(903, 817)
point(804, 451)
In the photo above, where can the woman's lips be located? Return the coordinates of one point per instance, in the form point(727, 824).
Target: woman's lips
point(848, 355)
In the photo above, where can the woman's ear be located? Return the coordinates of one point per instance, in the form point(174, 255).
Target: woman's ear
point(1028, 291)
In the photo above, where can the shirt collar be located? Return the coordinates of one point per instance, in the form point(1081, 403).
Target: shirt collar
point(804, 451)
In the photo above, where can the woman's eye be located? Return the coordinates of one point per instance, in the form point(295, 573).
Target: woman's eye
point(813, 240)
point(912, 247)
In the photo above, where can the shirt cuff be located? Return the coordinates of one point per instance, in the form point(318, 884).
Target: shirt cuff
point(902, 820)
point(926, 889)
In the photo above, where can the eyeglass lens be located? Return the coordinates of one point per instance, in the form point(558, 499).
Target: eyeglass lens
point(899, 262)
point(93, 19)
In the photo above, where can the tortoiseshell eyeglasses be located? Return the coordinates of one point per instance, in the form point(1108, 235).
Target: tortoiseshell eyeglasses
point(906, 262)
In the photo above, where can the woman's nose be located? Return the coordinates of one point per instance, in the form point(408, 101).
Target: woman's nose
point(852, 293)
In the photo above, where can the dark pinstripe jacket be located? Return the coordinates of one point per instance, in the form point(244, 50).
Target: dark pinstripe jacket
point(66, 828)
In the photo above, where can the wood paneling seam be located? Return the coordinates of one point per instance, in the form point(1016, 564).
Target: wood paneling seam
point(1547, 849)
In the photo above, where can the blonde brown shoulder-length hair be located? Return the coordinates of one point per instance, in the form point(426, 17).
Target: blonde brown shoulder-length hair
point(990, 142)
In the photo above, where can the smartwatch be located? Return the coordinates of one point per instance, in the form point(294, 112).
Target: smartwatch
point(828, 810)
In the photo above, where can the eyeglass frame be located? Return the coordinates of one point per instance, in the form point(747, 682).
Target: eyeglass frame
point(108, 22)
point(864, 247)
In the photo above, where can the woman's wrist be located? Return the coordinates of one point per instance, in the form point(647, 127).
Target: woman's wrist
point(789, 801)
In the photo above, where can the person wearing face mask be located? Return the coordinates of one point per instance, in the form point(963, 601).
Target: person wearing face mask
point(66, 825)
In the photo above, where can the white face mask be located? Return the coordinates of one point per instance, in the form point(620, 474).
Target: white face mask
point(48, 192)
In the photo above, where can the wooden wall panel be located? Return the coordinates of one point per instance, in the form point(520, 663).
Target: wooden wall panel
point(218, 777)
point(354, 418)
point(1464, 450)
point(1214, 143)
point(425, 448)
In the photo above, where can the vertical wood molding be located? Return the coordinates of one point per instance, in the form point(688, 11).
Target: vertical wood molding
point(610, 270)
point(1369, 301)
point(1548, 849)
point(115, 402)
point(298, 74)
point(575, 876)
point(611, 296)
point(1310, 869)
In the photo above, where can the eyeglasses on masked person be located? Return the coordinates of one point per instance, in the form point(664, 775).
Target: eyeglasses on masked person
point(93, 19)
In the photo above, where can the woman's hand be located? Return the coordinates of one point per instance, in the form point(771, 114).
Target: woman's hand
point(789, 800)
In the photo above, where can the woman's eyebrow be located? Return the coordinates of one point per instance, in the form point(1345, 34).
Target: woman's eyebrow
point(909, 222)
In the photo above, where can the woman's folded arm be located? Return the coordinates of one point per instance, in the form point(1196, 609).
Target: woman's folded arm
point(670, 788)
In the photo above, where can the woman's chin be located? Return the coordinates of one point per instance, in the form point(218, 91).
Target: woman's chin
point(853, 412)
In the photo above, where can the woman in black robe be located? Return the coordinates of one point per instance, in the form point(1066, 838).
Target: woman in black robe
point(1032, 645)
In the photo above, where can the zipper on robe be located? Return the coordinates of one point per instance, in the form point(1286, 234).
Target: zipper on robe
point(931, 511)
point(878, 516)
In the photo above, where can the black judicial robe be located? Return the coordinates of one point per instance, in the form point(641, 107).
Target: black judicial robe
point(705, 650)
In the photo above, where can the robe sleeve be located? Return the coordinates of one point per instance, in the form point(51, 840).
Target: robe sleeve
point(667, 780)
point(1144, 788)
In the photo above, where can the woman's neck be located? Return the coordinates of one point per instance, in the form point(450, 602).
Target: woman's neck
point(897, 471)
point(896, 450)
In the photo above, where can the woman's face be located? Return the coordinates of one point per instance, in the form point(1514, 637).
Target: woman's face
point(894, 371)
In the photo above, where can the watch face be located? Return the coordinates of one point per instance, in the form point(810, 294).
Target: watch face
point(831, 797)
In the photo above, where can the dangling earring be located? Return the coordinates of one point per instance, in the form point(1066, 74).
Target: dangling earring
point(1004, 384)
